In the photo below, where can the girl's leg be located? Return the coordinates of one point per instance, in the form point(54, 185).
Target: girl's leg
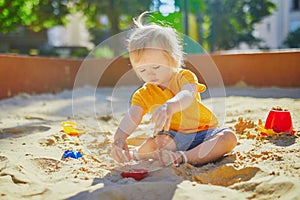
point(149, 148)
point(212, 149)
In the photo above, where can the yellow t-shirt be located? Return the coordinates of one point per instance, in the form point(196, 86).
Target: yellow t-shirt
point(194, 118)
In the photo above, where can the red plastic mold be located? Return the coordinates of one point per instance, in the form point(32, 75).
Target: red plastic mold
point(137, 174)
point(279, 121)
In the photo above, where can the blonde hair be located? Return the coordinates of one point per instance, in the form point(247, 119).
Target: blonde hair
point(156, 37)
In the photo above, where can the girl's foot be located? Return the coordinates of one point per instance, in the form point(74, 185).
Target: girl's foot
point(167, 158)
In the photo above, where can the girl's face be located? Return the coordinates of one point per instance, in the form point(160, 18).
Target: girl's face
point(153, 66)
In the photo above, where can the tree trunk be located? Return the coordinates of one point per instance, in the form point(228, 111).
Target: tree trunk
point(114, 17)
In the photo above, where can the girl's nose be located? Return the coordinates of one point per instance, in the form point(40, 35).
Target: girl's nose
point(150, 72)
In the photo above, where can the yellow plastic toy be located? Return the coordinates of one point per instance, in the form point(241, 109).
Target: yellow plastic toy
point(71, 128)
point(267, 131)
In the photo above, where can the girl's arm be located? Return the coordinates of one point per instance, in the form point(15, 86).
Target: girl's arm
point(129, 122)
point(162, 116)
point(182, 99)
point(127, 125)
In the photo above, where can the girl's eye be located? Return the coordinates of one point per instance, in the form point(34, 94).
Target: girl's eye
point(156, 67)
point(142, 70)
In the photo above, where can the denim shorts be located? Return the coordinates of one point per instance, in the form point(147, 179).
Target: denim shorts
point(189, 141)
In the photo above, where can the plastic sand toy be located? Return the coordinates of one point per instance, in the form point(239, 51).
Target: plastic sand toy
point(71, 128)
point(278, 121)
point(72, 154)
point(136, 174)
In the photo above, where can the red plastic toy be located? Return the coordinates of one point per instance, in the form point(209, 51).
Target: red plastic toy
point(137, 174)
point(278, 121)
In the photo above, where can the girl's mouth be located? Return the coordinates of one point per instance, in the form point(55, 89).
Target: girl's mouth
point(154, 80)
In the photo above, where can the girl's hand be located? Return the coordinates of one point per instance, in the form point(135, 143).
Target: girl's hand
point(120, 151)
point(128, 124)
point(162, 118)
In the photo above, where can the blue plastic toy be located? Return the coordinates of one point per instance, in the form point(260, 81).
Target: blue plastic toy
point(72, 154)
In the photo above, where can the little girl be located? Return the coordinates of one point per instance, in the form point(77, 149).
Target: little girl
point(185, 129)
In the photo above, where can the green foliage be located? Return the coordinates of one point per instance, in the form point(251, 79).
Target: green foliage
point(35, 14)
point(293, 39)
point(102, 52)
point(224, 24)
point(233, 21)
point(117, 11)
point(48, 52)
point(80, 53)
point(173, 20)
point(41, 14)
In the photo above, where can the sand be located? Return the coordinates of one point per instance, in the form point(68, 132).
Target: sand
point(32, 144)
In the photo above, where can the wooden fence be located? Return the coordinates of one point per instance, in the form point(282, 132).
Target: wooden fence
point(25, 74)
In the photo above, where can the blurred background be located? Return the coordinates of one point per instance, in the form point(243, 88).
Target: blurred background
point(72, 28)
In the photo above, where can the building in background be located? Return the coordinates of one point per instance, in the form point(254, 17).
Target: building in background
point(72, 38)
point(74, 33)
point(273, 30)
